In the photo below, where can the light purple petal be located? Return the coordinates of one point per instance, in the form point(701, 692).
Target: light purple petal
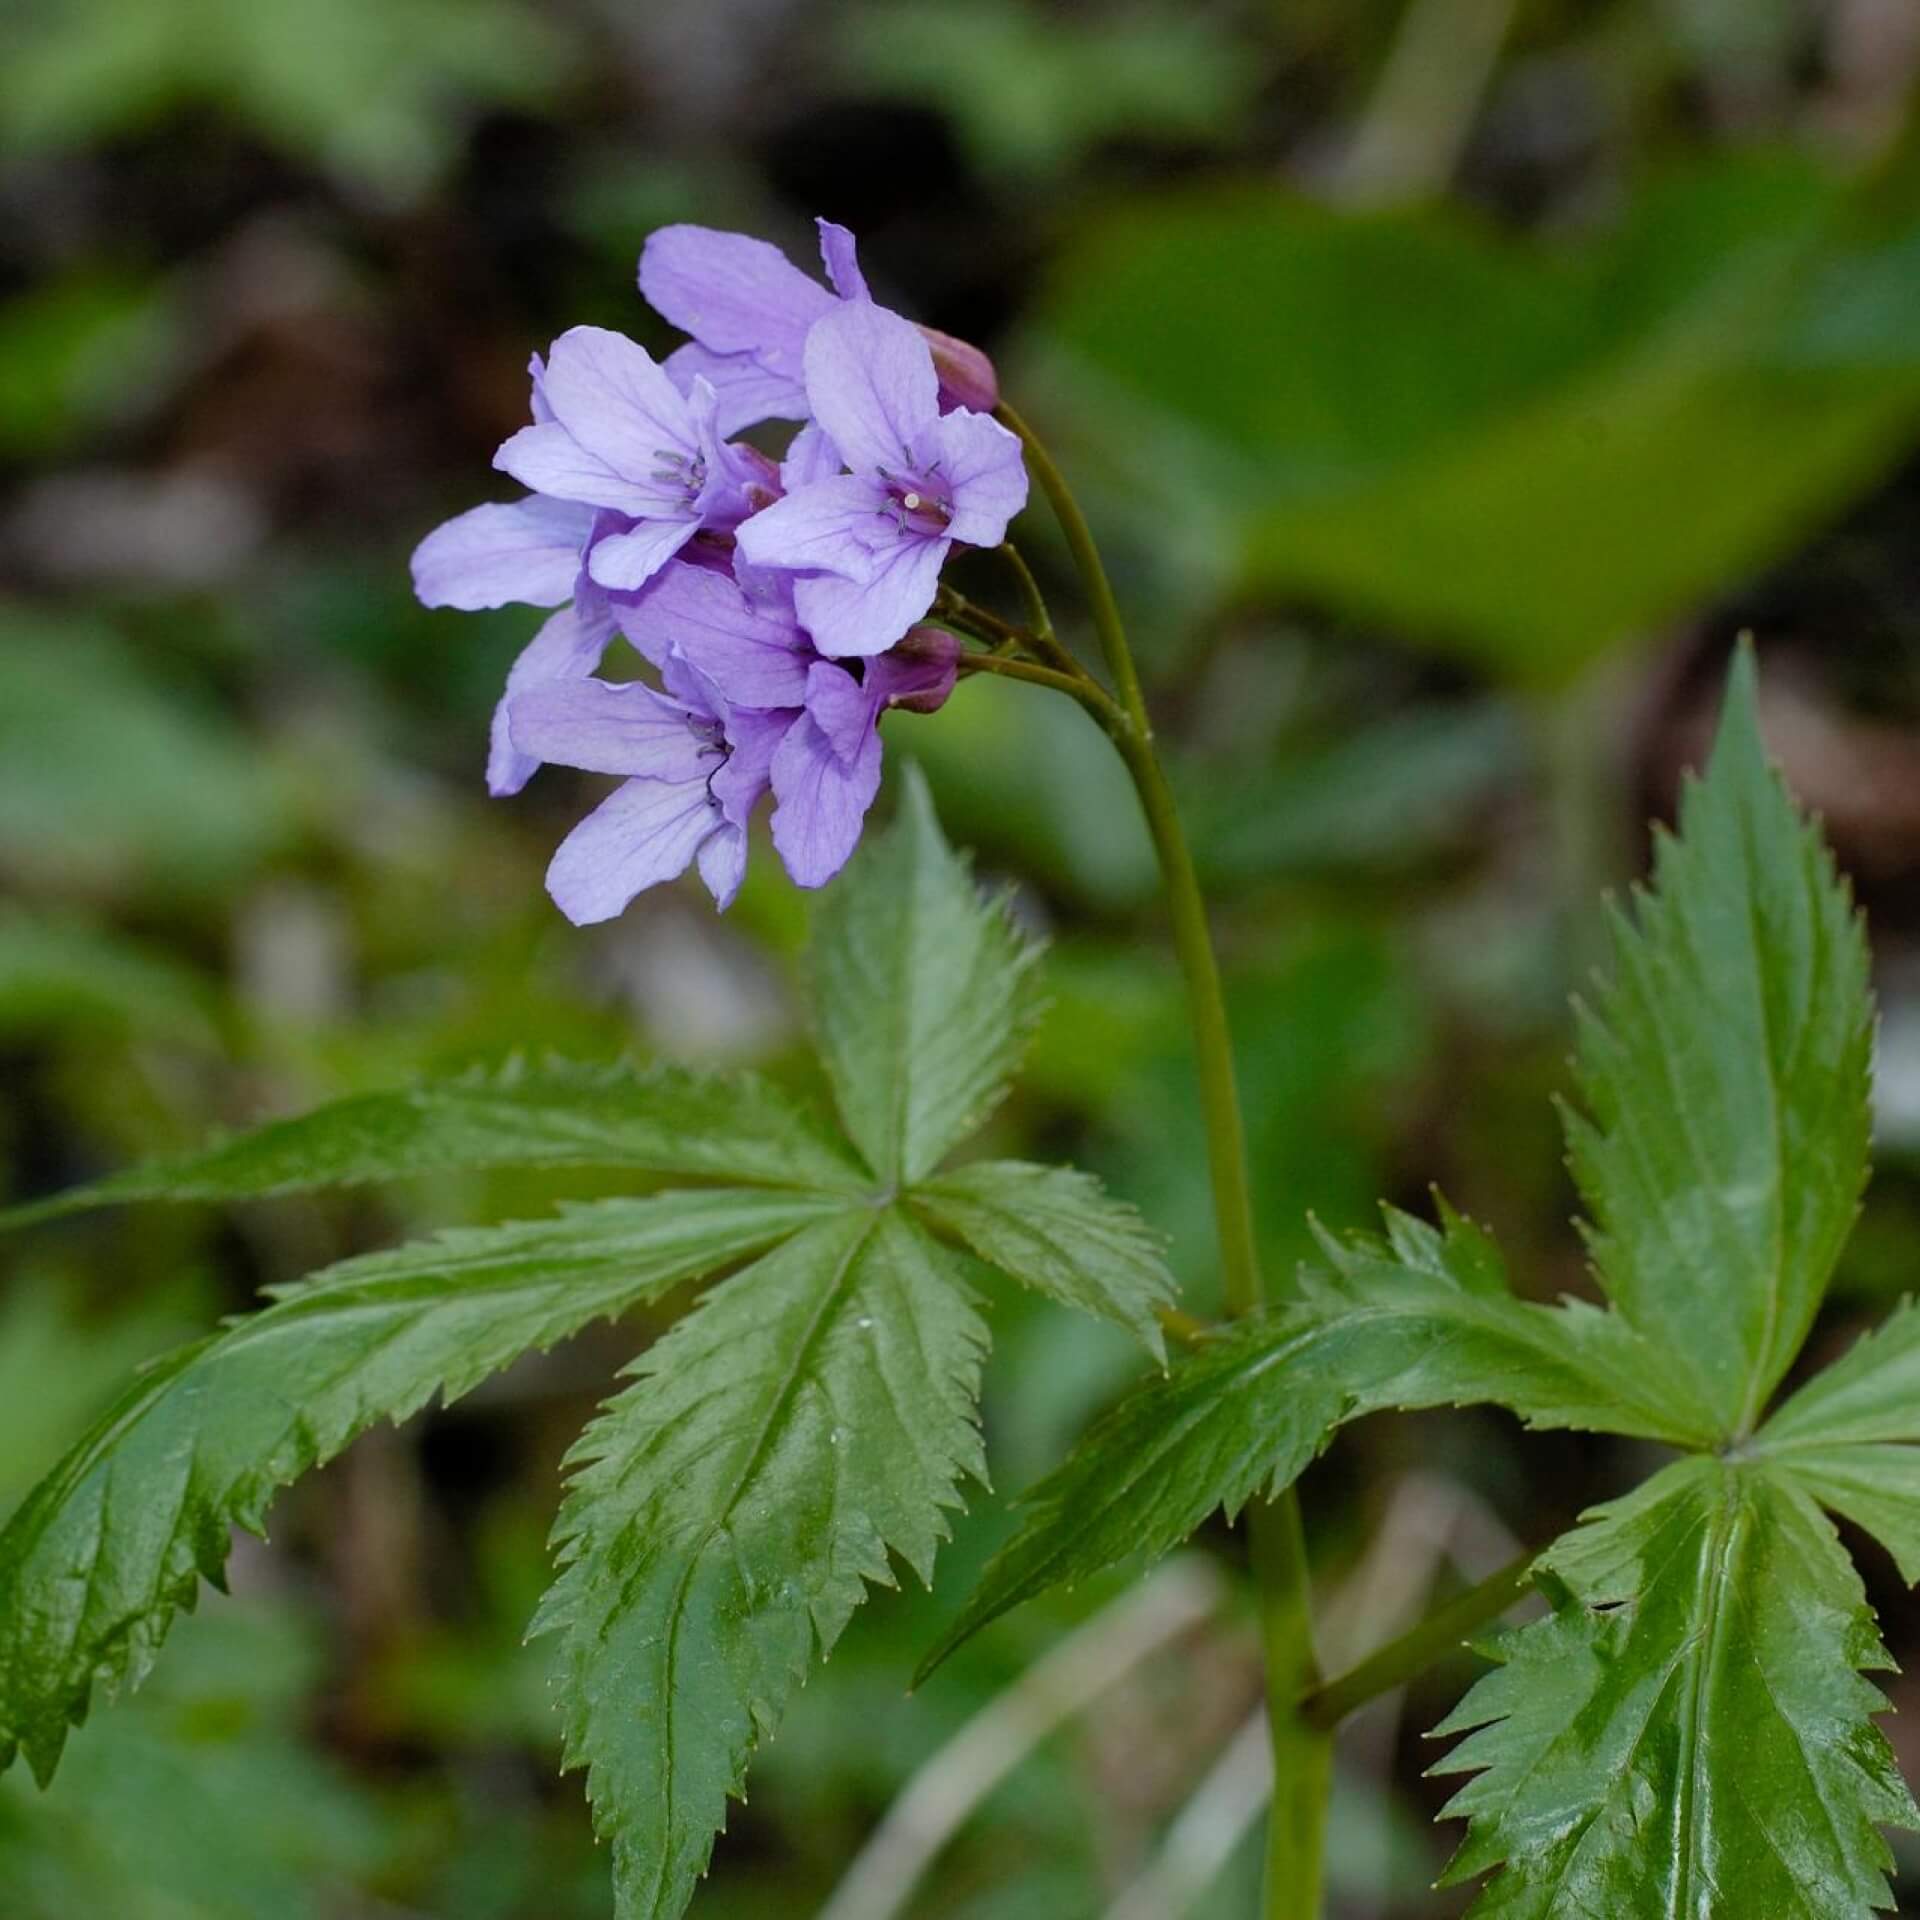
point(822, 802)
point(987, 472)
point(841, 259)
point(723, 864)
point(738, 479)
point(687, 684)
point(843, 708)
point(754, 739)
point(871, 384)
point(625, 562)
point(537, 372)
point(548, 459)
point(851, 616)
point(773, 584)
point(601, 727)
point(752, 651)
point(811, 457)
point(842, 525)
point(733, 293)
point(567, 647)
point(523, 550)
point(619, 404)
point(753, 475)
point(644, 832)
point(749, 392)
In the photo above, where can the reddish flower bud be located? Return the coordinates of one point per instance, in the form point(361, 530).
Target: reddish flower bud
point(935, 653)
point(967, 378)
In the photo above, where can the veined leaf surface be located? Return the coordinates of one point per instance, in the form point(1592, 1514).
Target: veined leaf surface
point(95, 1563)
point(814, 1415)
point(1688, 1732)
point(664, 1119)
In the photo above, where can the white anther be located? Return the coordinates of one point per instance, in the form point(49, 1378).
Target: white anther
point(912, 503)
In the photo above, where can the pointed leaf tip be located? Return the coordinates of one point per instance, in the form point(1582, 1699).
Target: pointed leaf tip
point(922, 995)
point(1720, 1142)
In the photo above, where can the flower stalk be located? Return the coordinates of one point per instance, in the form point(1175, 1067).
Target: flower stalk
point(1301, 1748)
point(1442, 1632)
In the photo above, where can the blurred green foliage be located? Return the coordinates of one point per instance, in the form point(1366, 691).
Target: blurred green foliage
point(1033, 91)
point(113, 778)
point(1531, 454)
point(370, 90)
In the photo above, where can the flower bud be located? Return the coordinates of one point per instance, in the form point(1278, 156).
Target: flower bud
point(967, 378)
point(934, 655)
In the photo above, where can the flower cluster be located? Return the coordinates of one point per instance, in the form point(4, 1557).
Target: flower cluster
point(777, 603)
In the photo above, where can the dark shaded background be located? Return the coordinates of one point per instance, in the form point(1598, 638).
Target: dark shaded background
point(1452, 382)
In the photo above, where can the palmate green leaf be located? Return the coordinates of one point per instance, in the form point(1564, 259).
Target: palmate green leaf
point(1688, 1732)
point(922, 996)
point(1876, 1487)
point(810, 1420)
point(1725, 1068)
point(1872, 1392)
point(813, 1415)
point(1851, 1437)
point(100, 1556)
point(663, 1119)
point(1057, 1230)
point(1424, 1320)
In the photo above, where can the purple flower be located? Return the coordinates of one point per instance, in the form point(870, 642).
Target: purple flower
point(694, 771)
point(768, 600)
point(749, 706)
point(532, 551)
point(612, 431)
point(519, 550)
point(868, 545)
point(750, 648)
point(827, 769)
point(749, 309)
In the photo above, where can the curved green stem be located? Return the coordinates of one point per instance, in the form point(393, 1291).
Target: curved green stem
point(1040, 636)
point(1014, 669)
point(1301, 1750)
point(1037, 615)
point(1101, 604)
point(1440, 1633)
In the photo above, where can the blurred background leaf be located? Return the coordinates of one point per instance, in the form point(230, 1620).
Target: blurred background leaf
point(113, 776)
point(372, 90)
point(1530, 455)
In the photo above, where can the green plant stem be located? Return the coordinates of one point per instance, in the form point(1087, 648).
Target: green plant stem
point(1087, 563)
point(1296, 1830)
point(1011, 669)
point(978, 623)
point(1302, 1748)
point(1040, 637)
point(1418, 1648)
point(1037, 615)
